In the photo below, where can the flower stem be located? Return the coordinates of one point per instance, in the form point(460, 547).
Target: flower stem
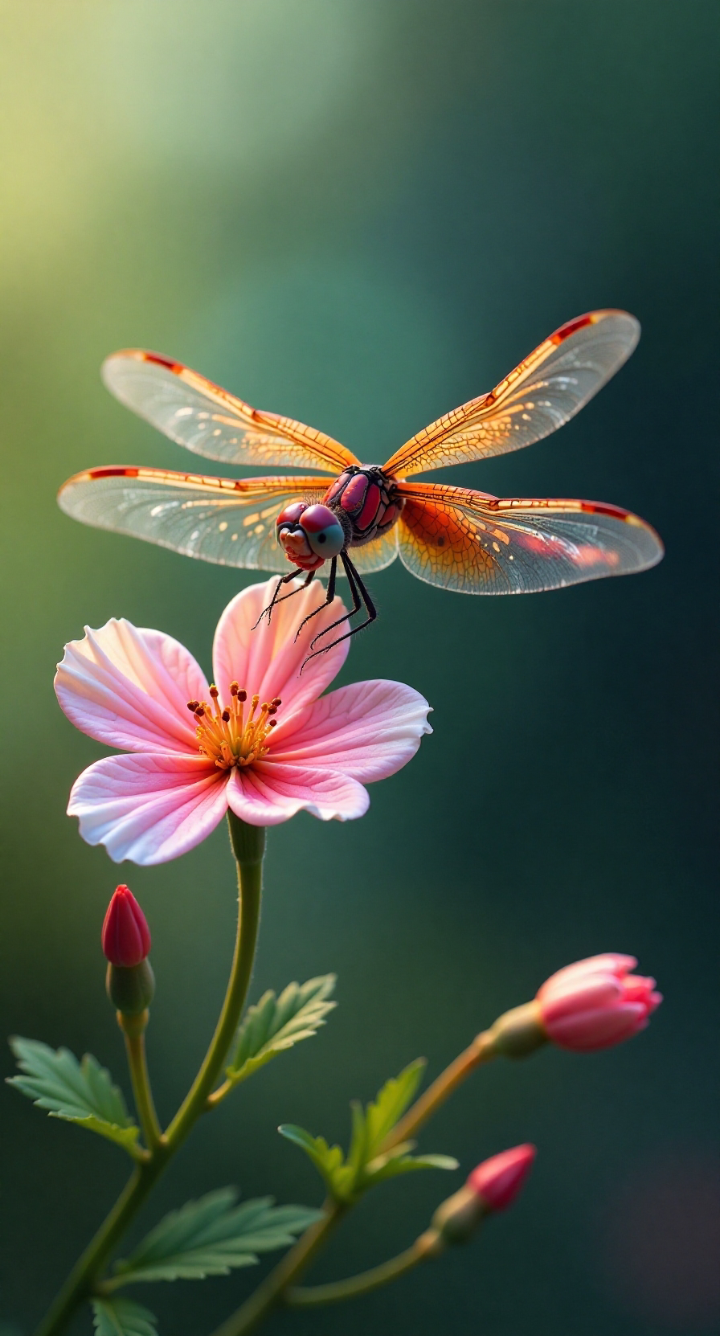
point(270, 1291)
point(79, 1283)
point(248, 843)
point(133, 1028)
point(314, 1295)
point(482, 1049)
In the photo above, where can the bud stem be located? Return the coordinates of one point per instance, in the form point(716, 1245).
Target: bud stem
point(134, 1034)
point(479, 1051)
point(311, 1296)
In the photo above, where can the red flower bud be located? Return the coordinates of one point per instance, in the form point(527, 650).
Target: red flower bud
point(497, 1181)
point(125, 933)
point(491, 1187)
point(596, 1003)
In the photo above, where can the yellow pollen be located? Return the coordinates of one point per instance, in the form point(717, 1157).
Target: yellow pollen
point(225, 735)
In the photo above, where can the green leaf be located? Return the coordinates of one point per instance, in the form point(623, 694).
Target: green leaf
point(389, 1166)
point(327, 1159)
point(122, 1317)
point(277, 1023)
point(390, 1104)
point(212, 1236)
point(79, 1092)
point(365, 1163)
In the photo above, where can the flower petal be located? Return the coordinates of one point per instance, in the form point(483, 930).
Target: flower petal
point(148, 808)
point(130, 688)
point(268, 659)
point(611, 962)
point(598, 1029)
point(596, 993)
point(367, 730)
point(268, 793)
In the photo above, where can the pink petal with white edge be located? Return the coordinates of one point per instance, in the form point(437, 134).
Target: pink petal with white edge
point(270, 793)
point(268, 660)
point(148, 808)
point(611, 962)
point(129, 688)
point(367, 731)
point(596, 993)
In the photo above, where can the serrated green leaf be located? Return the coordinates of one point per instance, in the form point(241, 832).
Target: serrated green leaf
point(327, 1159)
point(390, 1104)
point(78, 1092)
point(212, 1236)
point(365, 1163)
point(277, 1023)
point(389, 1167)
point(122, 1317)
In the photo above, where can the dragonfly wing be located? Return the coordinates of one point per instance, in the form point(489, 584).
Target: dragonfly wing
point(477, 544)
point(378, 554)
point(230, 521)
point(540, 395)
point(209, 421)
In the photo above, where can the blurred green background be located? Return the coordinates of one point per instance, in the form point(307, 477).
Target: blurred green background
point(361, 213)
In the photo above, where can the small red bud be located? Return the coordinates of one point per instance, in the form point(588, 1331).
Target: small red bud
point(125, 933)
point(498, 1180)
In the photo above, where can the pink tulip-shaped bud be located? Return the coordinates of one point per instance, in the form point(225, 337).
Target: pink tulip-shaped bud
point(492, 1186)
point(596, 1003)
point(497, 1181)
point(130, 982)
point(125, 933)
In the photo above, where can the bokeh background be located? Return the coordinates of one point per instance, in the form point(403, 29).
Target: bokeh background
point(360, 213)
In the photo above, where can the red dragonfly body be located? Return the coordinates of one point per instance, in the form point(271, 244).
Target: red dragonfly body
point(365, 515)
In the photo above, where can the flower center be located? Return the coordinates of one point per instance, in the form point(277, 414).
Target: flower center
point(233, 736)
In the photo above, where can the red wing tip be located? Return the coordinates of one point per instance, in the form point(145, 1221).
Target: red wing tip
point(107, 471)
point(111, 471)
point(159, 360)
point(590, 318)
point(142, 355)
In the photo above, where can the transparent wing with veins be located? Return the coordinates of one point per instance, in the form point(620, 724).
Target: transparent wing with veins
point(540, 395)
point(211, 422)
point(477, 544)
point(229, 521)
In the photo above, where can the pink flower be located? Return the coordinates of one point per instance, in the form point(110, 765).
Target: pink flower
point(263, 742)
point(596, 1002)
point(125, 933)
point(497, 1181)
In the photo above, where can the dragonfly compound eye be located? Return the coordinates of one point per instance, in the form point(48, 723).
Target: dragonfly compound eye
point(323, 531)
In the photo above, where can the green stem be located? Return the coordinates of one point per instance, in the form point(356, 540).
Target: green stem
point(314, 1295)
point(270, 1291)
point(248, 843)
point(140, 1077)
point(482, 1049)
point(79, 1284)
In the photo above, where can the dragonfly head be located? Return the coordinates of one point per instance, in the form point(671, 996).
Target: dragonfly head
point(309, 535)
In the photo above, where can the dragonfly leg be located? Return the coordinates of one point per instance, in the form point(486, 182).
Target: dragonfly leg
point(284, 579)
point(328, 600)
point(357, 601)
point(361, 598)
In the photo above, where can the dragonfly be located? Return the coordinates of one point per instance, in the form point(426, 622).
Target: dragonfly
point(362, 517)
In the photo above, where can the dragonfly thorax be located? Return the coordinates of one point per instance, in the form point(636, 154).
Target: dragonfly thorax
point(365, 502)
